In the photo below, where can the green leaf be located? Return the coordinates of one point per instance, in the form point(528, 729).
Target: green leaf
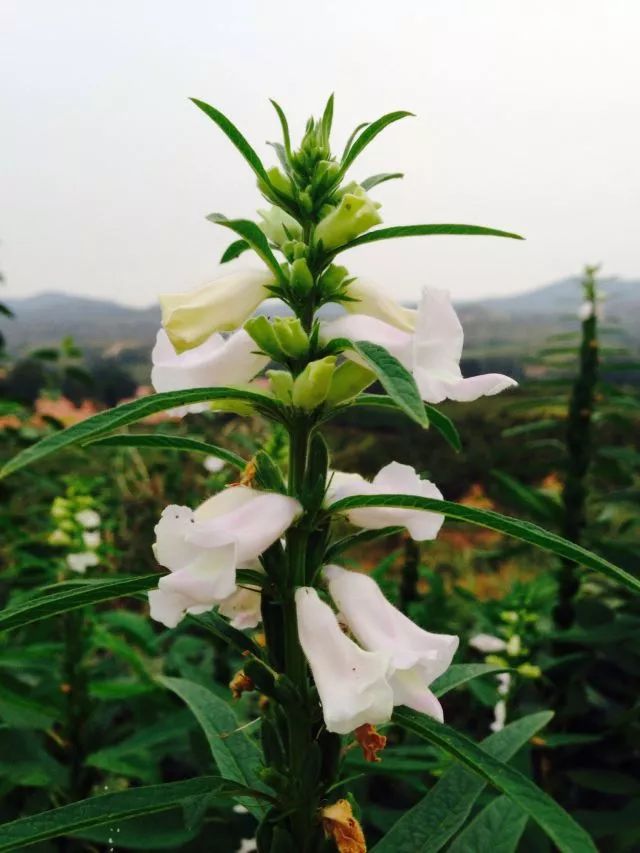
point(429, 825)
point(327, 119)
point(54, 603)
point(250, 232)
point(128, 413)
point(530, 426)
point(233, 251)
point(460, 673)
point(526, 531)
point(423, 231)
point(567, 835)
point(236, 138)
point(394, 378)
point(359, 538)
point(237, 757)
point(532, 501)
point(170, 442)
point(4, 309)
point(219, 627)
point(104, 809)
point(498, 828)
point(442, 423)
point(284, 124)
point(368, 135)
point(374, 180)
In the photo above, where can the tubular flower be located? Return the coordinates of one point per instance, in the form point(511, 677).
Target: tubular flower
point(432, 353)
point(351, 682)
point(372, 301)
point(417, 657)
point(222, 306)
point(393, 479)
point(203, 549)
point(216, 362)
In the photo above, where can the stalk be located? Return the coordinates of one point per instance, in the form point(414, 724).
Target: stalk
point(578, 442)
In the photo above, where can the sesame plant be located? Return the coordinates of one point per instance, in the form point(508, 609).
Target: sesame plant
point(334, 661)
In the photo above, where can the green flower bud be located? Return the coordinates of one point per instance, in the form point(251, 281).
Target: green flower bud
point(60, 508)
point(355, 214)
point(291, 337)
point(305, 201)
point(310, 389)
point(59, 537)
point(280, 181)
point(263, 334)
point(281, 384)
point(300, 250)
point(325, 174)
point(331, 280)
point(273, 225)
point(300, 276)
point(529, 670)
point(496, 660)
point(348, 381)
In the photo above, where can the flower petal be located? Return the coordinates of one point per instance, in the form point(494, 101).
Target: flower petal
point(373, 301)
point(210, 578)
point(351, 682)
point(359, 327)
point(222, 306)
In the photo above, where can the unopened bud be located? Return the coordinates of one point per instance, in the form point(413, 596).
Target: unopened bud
point(348, 381)
point(355, 214)
point(291, 338)
point(263, 334)
point(278, 226)
point(305, 201)
point(332, 279)
point(279, 181)
point(310, 389)
point(281, 385)
point(300, 276)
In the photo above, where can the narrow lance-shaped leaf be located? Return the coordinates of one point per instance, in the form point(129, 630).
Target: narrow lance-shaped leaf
point(234, 250)
point(460, 673)
point(423, 231)
point(498, 827)
point(368, 135)
point(286, 138)
point(128, 413)
point(375, 180)
point(441, 422)
point(327, 119)
point(429, 825)
point(234, 135)
point(171, 442)
point(54, 603)
point(523, 530)
point(568, 836)
point(105, 809)
point(250, 232)
point(394, 378)
point(237, 757)
point(353, 135)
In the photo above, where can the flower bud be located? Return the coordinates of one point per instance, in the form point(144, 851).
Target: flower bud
point(59, 538)
point(325, 174)
point(355, 214)
point(291, 338)
point(264, 335)
point(300, 276)
point(310, 389)
point(348, 381)
point(331, 281)
point(305, 201)
point(279, 181)
point(60, 508)
point(281, 385)
point(278, 226)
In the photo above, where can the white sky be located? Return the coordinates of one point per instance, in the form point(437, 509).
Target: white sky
point(527, 120)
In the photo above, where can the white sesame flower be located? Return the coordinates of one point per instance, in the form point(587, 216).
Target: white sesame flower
point(432, 353)
point(81, 561)
point(394, 478)
point(487, 644)
point(88, 518)
point(417, 657)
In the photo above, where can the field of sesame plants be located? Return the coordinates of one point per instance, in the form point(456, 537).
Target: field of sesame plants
point(322, 590)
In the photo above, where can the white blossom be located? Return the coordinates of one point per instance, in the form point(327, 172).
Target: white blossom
point(88, 518)
point(487, 643)
point(417, 657)
point(81, 561)
point(213, 464)
point(351, 682)
point(203, 549)
point(394, 478)
point(189, 319)
point(432, 353)
point(499, 716)
point(91, 539)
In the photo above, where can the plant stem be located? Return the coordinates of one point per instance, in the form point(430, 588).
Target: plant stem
point(578, 441)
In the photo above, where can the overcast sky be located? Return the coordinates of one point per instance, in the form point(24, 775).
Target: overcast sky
point(528, 119)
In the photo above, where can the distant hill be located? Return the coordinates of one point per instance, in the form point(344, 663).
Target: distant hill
point(509, 327)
